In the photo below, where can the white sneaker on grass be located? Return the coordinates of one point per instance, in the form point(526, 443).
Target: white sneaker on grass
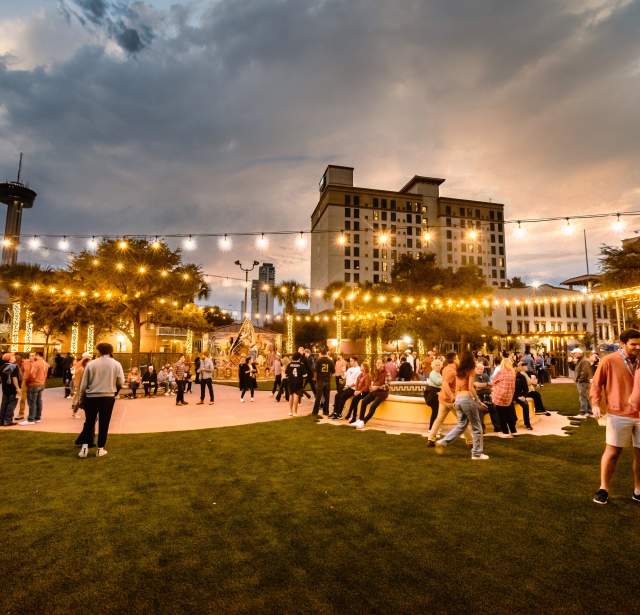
point(101, 452)
point(359, 424)
point(84, 452)
point(27, 423)
point(479, 457)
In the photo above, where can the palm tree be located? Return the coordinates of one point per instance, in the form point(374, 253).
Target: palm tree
point(289, 294)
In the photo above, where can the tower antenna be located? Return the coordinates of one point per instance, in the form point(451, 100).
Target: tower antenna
point(19, 169)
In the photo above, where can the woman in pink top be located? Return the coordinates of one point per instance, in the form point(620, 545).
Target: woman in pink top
point(503, 387)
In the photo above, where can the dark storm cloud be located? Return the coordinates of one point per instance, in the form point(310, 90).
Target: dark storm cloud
point(227, 121)
point(121, 21)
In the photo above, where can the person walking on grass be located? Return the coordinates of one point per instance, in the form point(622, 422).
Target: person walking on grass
point(296, 378)
point(617, 378)
point(37, 378)
point(102, 379)
point(468, 406)
point(584, 373)
point(205, 376)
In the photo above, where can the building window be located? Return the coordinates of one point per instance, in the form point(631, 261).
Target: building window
point(347, 212)
point(502, 275)
point(449, 258)
point(409, 230)
point(409, 218)
point(356, 239)
point(509, 328)
point(449, 235)
point(418, 219)
point(376, 253)
point(347, 277)
point(479, 260)
point(356, 200)
point(449, 246)
point(356, 225)
point(347, 199)
point(356, 264)
point(356, 251)
point(375, 203)
point(347, 251)
point(347, 263)
point(494, 273)
point(393, 205)
point(376, 278)
point(409, 243)
point(356, 213)
point(376, 265)
point(584, 311)
point(493, 238)
point(384, 203)
point(347, 225)
point(393, 216)
point(463, 259)
point(384, 215)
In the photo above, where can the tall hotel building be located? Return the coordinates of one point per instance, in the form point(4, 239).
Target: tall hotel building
point(415, 220)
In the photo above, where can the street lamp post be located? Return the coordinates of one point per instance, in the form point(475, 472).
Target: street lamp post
point(246, 279)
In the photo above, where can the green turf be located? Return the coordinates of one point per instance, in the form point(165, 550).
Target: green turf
point(295, 517)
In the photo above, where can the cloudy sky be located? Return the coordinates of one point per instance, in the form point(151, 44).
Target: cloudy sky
point(221, 115)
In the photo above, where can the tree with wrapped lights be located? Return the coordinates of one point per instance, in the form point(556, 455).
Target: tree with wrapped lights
point(289, 294)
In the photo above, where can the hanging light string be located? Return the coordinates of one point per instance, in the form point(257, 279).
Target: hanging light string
point(225, 238)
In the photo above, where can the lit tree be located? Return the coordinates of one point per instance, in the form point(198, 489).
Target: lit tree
point(289, 294)
point(620, 266)
point(144, 278)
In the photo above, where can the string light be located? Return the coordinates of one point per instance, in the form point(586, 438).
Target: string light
point(16, 310)
point(35, 243)
point(618, 224)
point(301, 242)
point(189, 243)
point(224, 243)
point(123, 244)
point(567, 229)
point(519, 231)
point(155, 245)
point(262, 243)
point(63, 244)
point(92, 243)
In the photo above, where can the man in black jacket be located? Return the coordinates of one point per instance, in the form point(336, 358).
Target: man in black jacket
point(406, 370)
point(296, 374)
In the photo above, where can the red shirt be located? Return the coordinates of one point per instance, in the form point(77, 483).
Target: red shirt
point(503, 387)
point(614, 376)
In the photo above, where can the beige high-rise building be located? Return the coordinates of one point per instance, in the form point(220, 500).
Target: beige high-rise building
point(381, 225)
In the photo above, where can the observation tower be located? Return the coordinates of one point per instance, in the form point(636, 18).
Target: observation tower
point(16, 196)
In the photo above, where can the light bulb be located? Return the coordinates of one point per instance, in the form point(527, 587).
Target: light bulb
point(6, 242)
point(472, 235)
point(92, 243)
point(426, 236)
point(519, 231)
point(301, 242)
point(189, 243)
point(35, 243)
point(618, 224)
point(383, 239)
point(567, 229)
point(63, 244)
point(155, 244)
point(122, 244)
point(342, 239)
point(262, 243)
point(224, 243)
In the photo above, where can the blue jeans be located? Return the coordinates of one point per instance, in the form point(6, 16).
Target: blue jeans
point(34, 399)
point(468, 413)
point(7, 408)
point(583, 394)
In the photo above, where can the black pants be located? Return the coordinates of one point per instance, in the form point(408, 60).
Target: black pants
point(339, 384)
point(206, 383)
point(180, 393)
point(277, 383)
point(525, 411)
point(340, 400)
point(134, 389)
point(352, 415)
point(96, 408)
point(508, 419)
point(322, 397)
point(250, 386)
point(147, 387)
point(283, 389)
point(431, 399)
point(537, 401)
point(311, 382)
point(188, 384)
point(371, 401)
point(494, 415)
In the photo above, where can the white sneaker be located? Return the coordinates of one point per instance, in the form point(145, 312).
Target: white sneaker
point(242, 400)
point(359, 424)
point(505, 435)
point(39, 421)
point(27, 423)
point(251, 400)
point(480, 457)
point(441, 442)
point(84, 451)
point(101, 452)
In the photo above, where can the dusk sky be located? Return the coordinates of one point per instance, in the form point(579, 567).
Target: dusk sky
point(221, 115)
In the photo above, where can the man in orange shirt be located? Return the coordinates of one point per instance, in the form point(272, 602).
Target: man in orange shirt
point(615, 376)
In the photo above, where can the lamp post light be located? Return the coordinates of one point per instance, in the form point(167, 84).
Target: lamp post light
point(246, 280)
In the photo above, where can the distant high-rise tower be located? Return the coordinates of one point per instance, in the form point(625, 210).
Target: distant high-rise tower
point(16, 196)
point(262, 294)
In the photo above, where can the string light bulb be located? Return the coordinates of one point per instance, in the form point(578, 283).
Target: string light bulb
point(224, 243)
point(262, 243)
point(63, 244)
point(520, 231)
point(301, 242)
point(189, 243)
point(35, 243)
point(618, 224)
point(383, 239)
point(426, 235)
point(122, 244)
point(92, 243)
point(155, 244)
point(567, 229)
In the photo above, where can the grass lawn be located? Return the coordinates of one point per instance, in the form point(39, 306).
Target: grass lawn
point(292, 517)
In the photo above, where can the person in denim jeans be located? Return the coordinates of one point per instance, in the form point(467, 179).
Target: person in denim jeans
point(35, 385)
point(467, 405)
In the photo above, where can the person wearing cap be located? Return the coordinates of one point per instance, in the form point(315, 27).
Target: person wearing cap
point(583, 374)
